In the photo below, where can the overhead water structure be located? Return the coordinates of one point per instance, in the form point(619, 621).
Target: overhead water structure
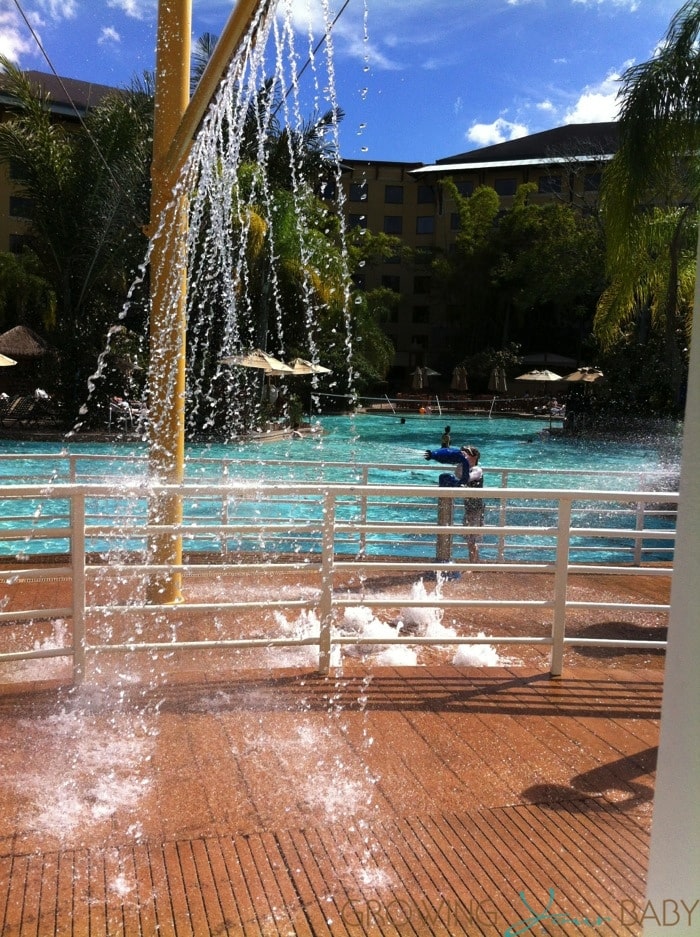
point(245, 249)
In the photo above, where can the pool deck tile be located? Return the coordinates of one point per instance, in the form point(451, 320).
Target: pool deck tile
point(422, 801)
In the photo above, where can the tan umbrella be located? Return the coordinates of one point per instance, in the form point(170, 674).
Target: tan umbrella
point(302, 366)
point(589, 375)
point(462, 378)
point(261, 360)
point(6, 362)
point(539, 376)
point(497, 381)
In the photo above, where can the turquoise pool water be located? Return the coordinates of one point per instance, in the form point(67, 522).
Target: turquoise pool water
point(334, 454)
point(383, 438)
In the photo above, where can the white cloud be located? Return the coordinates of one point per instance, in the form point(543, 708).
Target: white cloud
point(13, 39)
point(597, 103)
point(59, 9)
point(546, 106)
point(108, 35)
point(497, 132)
point(137, 9)
point(631, 5)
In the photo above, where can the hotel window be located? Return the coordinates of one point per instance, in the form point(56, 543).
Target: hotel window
point(454, 221)
point(357, 221)
point(423, 256)
point(20, 207)
point(426, 195)
point(421, 285)
point(329, 189)
point(425, 224)
point(549, 185)
point(393, 224)
point(18, 173)
point(393, 194)
point(358, 192)
point(18, 242)
point(465, 188)
point(420, 315)
point(591, 182)
point(505, 187)
point(391, 282)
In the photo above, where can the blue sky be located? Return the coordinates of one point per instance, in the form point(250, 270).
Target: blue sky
point(418, 79)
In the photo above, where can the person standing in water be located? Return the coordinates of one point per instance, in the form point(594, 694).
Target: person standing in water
point(467, 474)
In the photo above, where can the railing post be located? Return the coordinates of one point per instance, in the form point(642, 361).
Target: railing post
point(445, 510)
point(325, 604)
point(502, 518)
point(363, 510)
point(78, 584)
point(638, 541)
point(561, 567)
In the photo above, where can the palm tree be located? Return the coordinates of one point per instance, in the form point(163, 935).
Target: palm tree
point(653, 185)
point(89, 198)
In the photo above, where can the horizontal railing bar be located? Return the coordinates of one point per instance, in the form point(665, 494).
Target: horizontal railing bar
point(406, 602)
point(40, 572)
point(36, 654)
point(314, 640)
point(202, 568)
point(64, 490)
point(614, 642)
point(637, 606)
point(37, 533)
point(180, 607)
point(41, 614)
point(205, 645)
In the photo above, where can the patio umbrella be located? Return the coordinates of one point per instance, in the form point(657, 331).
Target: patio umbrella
point(22, 342)
point(589, 375)
point(259, 359)
point(6, 362)
point(459, 378)
point(539, 376)
point(418, 380)
point(497, 381)
point(302, 366)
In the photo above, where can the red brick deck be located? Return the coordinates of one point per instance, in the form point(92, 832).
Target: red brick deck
point(419, 801)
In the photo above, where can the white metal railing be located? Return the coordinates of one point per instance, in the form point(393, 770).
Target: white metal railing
point(358, 529)
point(87, 467)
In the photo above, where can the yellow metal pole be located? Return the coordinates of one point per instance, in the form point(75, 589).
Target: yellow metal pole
point(175, 123)
point(168, 311)
point(238, 23)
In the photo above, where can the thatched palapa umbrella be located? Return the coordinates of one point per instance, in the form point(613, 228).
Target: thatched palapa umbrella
point(21, 342)
point(23, 346)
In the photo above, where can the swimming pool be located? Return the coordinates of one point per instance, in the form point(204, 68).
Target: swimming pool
point(516, 453)
point(379, 439)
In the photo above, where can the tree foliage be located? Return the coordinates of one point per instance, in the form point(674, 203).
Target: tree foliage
point(89, 196)
point(531, 273)
point(650, 198)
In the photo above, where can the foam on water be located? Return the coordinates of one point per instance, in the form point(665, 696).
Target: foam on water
point(362, 622)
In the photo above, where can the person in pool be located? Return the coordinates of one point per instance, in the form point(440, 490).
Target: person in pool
point(467, 474)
